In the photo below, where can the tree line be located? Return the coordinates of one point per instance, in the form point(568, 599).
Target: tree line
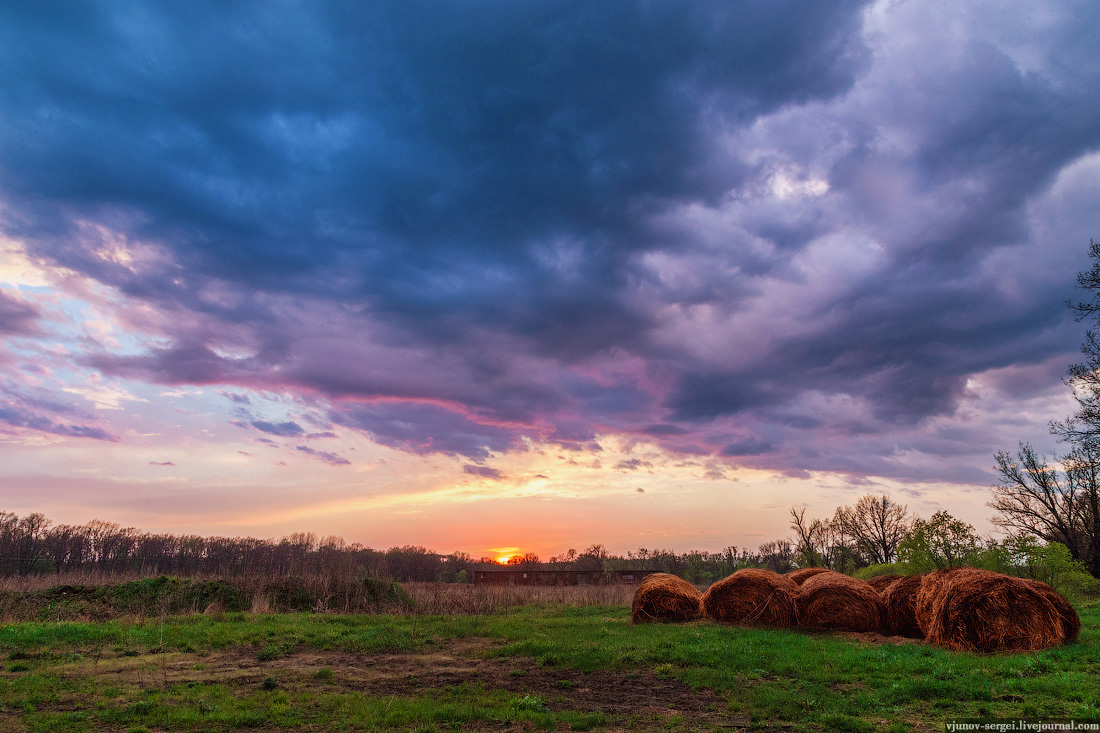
point(33, 544)
point(874, 535)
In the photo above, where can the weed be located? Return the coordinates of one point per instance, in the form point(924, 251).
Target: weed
point(529, 702)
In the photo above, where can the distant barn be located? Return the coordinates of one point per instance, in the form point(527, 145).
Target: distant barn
point(518, 576)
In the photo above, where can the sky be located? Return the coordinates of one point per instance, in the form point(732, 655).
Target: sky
point(535, 275)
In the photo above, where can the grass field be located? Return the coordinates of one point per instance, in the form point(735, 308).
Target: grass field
point(527, 667)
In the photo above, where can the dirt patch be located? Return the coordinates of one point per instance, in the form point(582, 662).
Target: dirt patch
point(874, 638)
point(638, 697)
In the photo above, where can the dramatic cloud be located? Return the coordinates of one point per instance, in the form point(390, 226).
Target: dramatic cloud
point(798, 236)
point(423, 428)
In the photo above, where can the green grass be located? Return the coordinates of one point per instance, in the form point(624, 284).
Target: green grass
point(159, 674)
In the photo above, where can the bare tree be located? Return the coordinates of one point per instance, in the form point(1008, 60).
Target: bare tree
point(874, 526)
point(1033, 499)
point(777, 555)
point(818, 543)
point(1083, 427)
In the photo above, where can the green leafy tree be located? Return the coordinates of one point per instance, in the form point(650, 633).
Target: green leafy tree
point(1050, 562)
point(942, 541)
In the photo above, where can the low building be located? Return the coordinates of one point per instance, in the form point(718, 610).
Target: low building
point(509, 575)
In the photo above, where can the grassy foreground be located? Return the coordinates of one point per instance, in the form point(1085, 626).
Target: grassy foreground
point(544, 667)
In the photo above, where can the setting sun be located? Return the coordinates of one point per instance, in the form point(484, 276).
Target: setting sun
point(504, 554)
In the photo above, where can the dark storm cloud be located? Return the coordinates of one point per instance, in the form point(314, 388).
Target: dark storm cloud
point(424, 428)
point(183, 363)
point(747, 447)
point(426, 150)
point(471, 225)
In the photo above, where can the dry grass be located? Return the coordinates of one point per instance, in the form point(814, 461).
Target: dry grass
point(664, 597)
point(839, 603)
point(465, 599)
point(752, 596)
point(334, 593)
point(900, 602)
point(802, 574)
point(968, 609)
point(882, 582)
point(26, 583)
point(1071, 622)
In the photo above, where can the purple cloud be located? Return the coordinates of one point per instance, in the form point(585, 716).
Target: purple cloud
point(483, 472)
point(18, 417)
point(425, 428)
point(240, 399)
point(330, 458)
point(17, 317)
point(287, 429)
point(747, 447)
point(792, 235)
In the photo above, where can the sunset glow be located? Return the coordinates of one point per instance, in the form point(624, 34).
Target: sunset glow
point(504, 278)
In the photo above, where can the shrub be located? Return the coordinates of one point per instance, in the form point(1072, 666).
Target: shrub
point(888, 568)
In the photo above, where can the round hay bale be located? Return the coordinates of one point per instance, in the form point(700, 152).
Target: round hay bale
point(968, 609)
point(882, 582)
point(799, 576)
point(925, 599)
point(838, 602)
point(752, 596)
point(1071, 622)
point(899, 600)
point(664, 597)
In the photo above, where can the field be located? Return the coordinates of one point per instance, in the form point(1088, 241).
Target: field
point(563, 659)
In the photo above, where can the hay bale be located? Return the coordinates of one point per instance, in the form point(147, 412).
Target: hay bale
point(752, 596)
point(799, 576)
point(882, 582)
point(925, 599)
point(900, 602)
point(664, 597)
point(968, 609)
point(838, 602)
point(1071, 622)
